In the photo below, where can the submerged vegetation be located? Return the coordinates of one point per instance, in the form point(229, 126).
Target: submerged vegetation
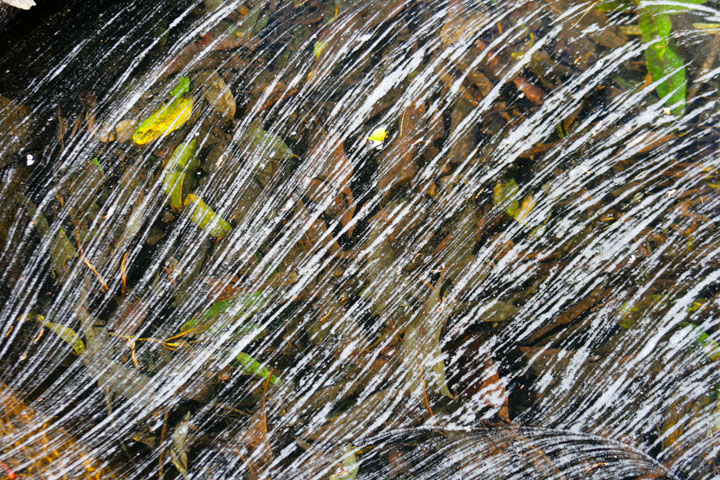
point(338, 239)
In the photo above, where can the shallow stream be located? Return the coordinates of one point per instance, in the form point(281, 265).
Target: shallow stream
point(343, 239)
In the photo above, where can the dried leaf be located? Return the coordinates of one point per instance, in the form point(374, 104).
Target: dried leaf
point(422, 355)
point(129, 317)
point(462, 24)
point(124, 130)
point(492, 390)
point(270, 144)
point(223, 288)
point(217, 93)
point(61, 249)
point(43, 448)
point(334, 171)
point(257, 440)
point(178, 449)
point(398, 163)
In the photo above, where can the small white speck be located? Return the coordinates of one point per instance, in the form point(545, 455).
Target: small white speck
point(288, 205)
point(29, 159)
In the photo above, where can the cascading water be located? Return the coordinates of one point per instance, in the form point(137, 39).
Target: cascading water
point(337, 239)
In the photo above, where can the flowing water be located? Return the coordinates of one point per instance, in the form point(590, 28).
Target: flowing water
point(388, 239)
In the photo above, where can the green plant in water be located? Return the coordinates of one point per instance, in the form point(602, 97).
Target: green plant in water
point(663, 62)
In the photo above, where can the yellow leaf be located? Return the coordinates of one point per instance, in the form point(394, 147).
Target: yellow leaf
point(166, 120)
point(525, 208)
point(205, 218)
point(319, 47)
point(378, 136)
point(68, 335)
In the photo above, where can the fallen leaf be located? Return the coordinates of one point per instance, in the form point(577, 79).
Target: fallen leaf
point(332, 180)
point(269, 144)
point(217, 93)
point(398, 163)
point(252, 367)
point(68, 335)
point(175, 171)
point(167, 119)
point(124, 130)
point(422, 355)
point(205, 218)
point(178, 449)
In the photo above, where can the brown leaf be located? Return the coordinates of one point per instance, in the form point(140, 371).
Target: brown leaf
point(256, 439)
point(399, 158)
point(421, 353)
point(334, 171)
point(533, 93)
point(462, 24)
point(217, 93)
point(129, 317)
point(195, 50)
point(40, 447)
point(491, 389)
point(569, 315)
point(223, 288)
point(316, 235)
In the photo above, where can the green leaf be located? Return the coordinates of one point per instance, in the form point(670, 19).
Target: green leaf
point(240, 306)
point(673, 6)
point(167, 119)
point(611, 5)
point(350, 466)
point(68, 335)
point(96, 162)
point(319, 47)
point(664, 64)
point(505, 197)
point(655, 27)
point(175, 171)
point(270, 143)
point(205, 218)
point(182, 87)
point(704, 341)
point(254, 368)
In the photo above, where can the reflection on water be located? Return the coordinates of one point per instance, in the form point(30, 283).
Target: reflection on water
point(336, 239)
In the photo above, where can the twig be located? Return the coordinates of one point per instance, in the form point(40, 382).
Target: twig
point(123, 273)
point(422, 377)
point(89, 265)
point(8, 471)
